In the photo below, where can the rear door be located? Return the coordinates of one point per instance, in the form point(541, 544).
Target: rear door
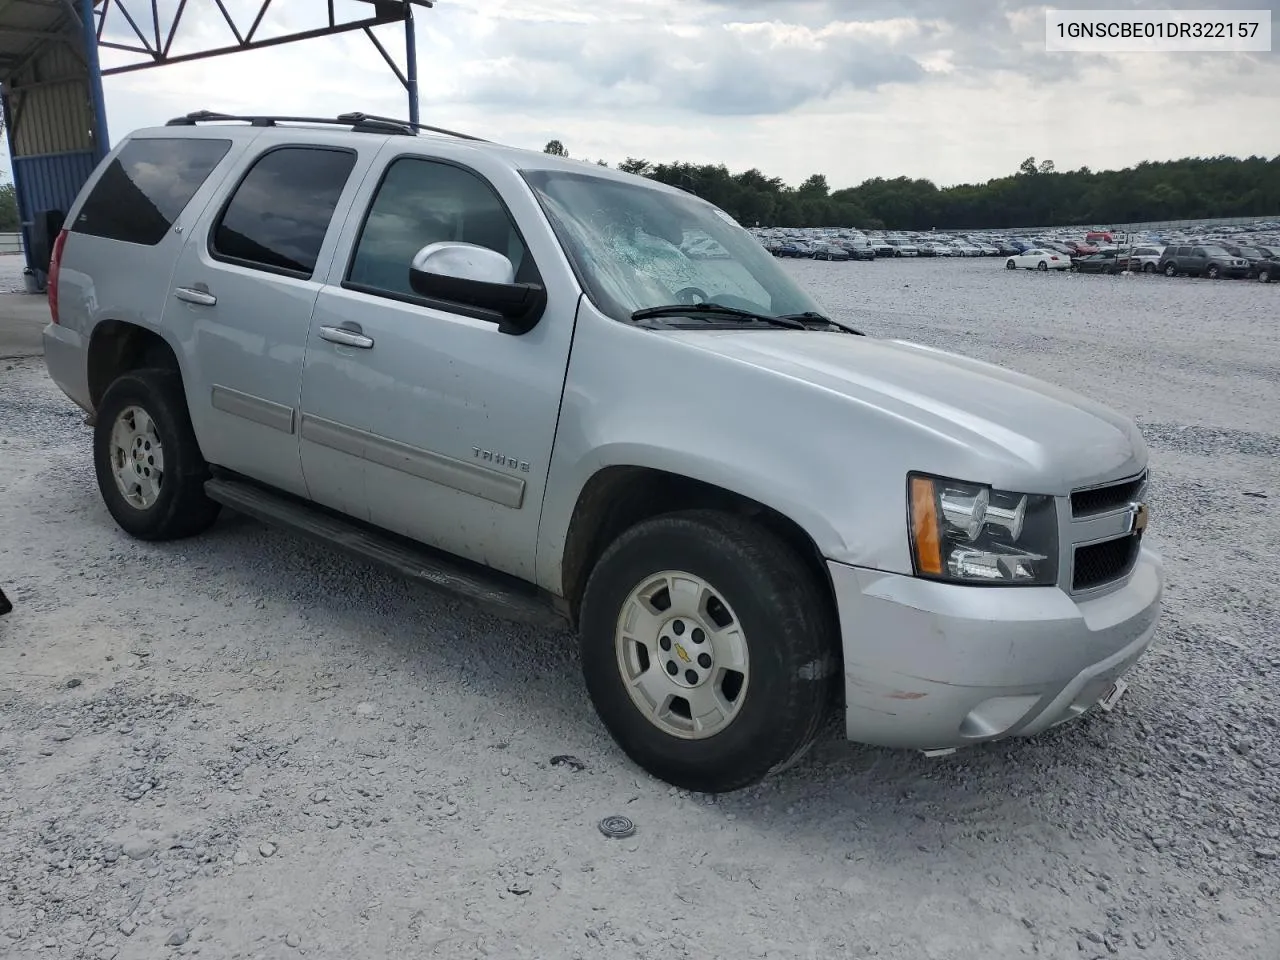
point(242, 295)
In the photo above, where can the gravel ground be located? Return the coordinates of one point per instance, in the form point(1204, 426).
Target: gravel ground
point(242, 746)
point(11, 266)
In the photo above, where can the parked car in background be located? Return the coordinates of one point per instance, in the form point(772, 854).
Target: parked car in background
point(1268, 271)
point(1255, 256)
point(1101, 262)
point(830, 251)
point(1099, 236)
point(1139, 259)
point(1202, 261)
point(1038, 259)
point(902, 248)
point(860, 250)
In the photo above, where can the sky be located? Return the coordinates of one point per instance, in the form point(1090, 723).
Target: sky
point(951, 90)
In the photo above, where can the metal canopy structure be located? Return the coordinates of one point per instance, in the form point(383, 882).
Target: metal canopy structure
point(155, 39)
point(51, 80)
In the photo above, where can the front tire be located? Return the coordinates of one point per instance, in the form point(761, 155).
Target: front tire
point(1170, 270)
point(1010, 265)
point(149, 467)
point(1042, 267)
point(1264, 275)
point(1212, 271)
point(1148, 268)
point(708, 649)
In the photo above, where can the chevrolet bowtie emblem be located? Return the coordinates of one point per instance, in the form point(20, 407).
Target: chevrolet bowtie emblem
point(1141, 514)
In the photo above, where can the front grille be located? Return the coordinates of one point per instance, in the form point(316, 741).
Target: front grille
point(1085, 503)
point(1100, 563)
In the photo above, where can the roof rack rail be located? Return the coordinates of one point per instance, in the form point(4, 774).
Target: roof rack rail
point(357, 121)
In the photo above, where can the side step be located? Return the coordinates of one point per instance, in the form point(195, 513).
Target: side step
point(497, 593)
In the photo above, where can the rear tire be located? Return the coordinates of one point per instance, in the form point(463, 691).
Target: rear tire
point(1170, 270)
point(1010, 265)
point(1264, 275)
point(1042, 266)
point(761, 654)
point(1212, 271)
point(149, 467)
point(1148, 268)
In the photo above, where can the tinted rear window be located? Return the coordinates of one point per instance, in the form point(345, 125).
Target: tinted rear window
point(279, 215)
point(146, 187)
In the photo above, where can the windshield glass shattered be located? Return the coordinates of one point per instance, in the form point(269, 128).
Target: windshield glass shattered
point(636, 246)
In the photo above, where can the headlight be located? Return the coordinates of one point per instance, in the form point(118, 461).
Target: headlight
point(970, 533)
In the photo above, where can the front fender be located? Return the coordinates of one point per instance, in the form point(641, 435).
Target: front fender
point(645, 398)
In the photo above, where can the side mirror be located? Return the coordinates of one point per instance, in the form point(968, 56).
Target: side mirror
point(475, 276)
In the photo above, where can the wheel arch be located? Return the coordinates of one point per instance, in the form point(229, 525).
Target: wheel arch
point(118, 346)
point(617, 497)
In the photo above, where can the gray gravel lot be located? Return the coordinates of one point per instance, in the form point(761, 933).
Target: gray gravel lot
point(11, 267)
point(243, 746)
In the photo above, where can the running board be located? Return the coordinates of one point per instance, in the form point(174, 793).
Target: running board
point(497, 593)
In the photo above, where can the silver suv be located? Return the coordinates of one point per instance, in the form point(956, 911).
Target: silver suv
point(582, 397)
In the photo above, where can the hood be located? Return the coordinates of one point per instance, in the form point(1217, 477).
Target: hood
point(1044, 438)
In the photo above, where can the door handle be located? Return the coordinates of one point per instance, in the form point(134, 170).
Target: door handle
point(349, 334)
point(196, 295)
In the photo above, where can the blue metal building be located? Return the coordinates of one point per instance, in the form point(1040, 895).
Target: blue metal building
point(54, 110)
point(54, 113)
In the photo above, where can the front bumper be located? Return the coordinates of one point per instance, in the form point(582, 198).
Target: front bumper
point(932, 665)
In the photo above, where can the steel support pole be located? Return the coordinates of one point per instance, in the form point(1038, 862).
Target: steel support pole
point(411, 62)
point(101, 139)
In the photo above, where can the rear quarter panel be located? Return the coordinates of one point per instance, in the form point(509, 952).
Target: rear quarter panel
point(102, 279)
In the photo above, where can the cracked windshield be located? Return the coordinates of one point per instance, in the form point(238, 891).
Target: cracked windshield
point(637, 247)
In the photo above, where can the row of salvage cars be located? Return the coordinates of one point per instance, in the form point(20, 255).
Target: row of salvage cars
point(1211, 260)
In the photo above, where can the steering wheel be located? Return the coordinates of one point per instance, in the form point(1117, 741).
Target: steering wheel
point(684, 293)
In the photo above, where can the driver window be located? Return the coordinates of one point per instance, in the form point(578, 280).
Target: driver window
point(425, 201)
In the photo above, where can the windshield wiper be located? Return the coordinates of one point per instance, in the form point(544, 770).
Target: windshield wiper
point(716, 310)
point(820, 318)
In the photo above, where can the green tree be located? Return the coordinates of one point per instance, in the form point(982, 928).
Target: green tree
point(1037, 194)
point(555, 148)
point(10, 222)
point(815, 188)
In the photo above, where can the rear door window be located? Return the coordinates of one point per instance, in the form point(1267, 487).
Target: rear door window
point(145, 188)
point(279, 214)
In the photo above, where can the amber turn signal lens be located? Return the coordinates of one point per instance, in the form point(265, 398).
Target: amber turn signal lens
point(925, 528)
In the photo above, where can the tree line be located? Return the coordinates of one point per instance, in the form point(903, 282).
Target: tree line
point(1036, 194)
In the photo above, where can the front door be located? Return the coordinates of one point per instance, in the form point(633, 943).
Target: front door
point(449, 422)
point(242, 294)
